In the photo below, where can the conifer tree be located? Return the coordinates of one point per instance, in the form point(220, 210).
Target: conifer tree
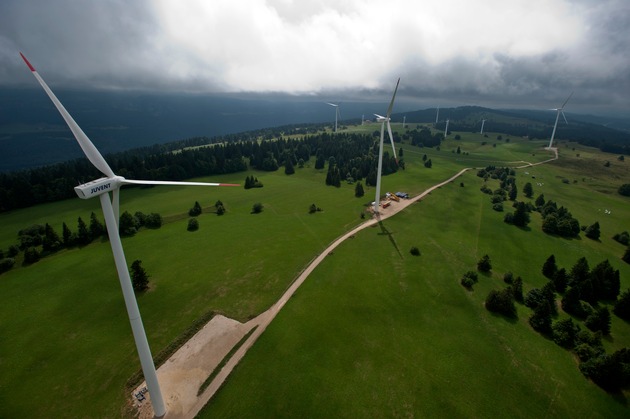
point(139, 277)
point(83, 235)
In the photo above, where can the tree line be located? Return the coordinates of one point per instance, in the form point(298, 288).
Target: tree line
point(355, 157)
point(586, 295)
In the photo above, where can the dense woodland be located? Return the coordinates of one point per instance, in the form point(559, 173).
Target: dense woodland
point(521, 123)
point(354, 155)
point(347, 156)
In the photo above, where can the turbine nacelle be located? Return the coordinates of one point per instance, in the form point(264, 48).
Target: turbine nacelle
point(381, 118)
point(98, 187)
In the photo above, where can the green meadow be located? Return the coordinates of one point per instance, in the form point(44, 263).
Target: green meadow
point(373, 332)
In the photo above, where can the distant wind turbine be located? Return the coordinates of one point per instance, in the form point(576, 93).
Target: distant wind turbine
point(383, 120)
point(337, 114)
point(101, 188)
point(446, 129)
point(483, 121)
point(404, 120)
point(437, 115)
point(559, 111)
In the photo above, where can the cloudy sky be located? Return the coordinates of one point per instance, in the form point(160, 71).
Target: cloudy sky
point(495, 53)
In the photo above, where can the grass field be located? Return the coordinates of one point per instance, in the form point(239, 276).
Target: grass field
point(369, 326)
point(376, 332)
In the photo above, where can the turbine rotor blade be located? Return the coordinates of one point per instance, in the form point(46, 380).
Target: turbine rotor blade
point(331, 104)
point(391, 139)
point(172, 183)
point(565, 118)
point(565, 102)
point(91, 152)
point(391, 104)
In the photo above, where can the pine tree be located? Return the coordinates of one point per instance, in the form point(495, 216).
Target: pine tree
point(592, 231)
point(67, 236)
point(358, 190)
point(139, 277)
point(288, 167)
point(521, 215)
point(484, 264)
point(97, 229)
point(83, 235)
point(195, 210)
point(560, 280)
point(626, 255)
point(127, 224)
point(51, 241)
point(541, 319)
point(579, 272)
point(599, 320)
point(193, 224)
point(513, 193)
point(528, 190)
point(622, 305)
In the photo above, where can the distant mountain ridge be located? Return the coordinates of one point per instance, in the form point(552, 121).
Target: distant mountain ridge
point(33, 134)
point(588, 130)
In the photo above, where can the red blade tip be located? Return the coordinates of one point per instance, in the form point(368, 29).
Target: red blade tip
point(27, 63)
point(229, 184)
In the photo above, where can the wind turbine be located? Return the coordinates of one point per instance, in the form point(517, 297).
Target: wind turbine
point(483, 121)
point(437, 115)
point(102, 187)
point(559, 111)
point(337, 114)
point(404, 120)
point(446, 129)
point(383, 120)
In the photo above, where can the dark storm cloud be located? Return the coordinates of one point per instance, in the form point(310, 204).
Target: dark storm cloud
point(518, 53)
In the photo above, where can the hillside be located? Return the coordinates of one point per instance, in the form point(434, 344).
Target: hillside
point(371, 314)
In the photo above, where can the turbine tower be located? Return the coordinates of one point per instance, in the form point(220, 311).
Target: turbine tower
point(559, 111)
point(102, 187)
point(404, 120)
point(383, 120)
point(446, 129)
point(437, 115)
point(337, 114)
point(483, 121)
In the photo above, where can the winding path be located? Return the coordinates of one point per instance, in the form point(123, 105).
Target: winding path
point(264, 319)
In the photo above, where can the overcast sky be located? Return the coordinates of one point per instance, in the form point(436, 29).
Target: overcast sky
point(495, 53)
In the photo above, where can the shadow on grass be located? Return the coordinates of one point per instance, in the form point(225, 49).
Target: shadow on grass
point(619, 397)
point(509, 319)
point(386, 232)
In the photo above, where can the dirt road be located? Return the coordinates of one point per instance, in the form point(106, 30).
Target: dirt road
point(185, 371)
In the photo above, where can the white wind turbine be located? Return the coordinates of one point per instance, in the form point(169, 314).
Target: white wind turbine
point(559, 111)
point(383, 120)
point(446, 129)
point(404, 120)
point(101, 188)
point(337, 114)
point(437, 114)
point(483, 122)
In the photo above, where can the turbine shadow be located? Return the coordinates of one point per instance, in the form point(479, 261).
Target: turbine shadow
point(386, 232)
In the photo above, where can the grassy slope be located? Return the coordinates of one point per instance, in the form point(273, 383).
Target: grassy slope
point(239, 264)
point(378, 332)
